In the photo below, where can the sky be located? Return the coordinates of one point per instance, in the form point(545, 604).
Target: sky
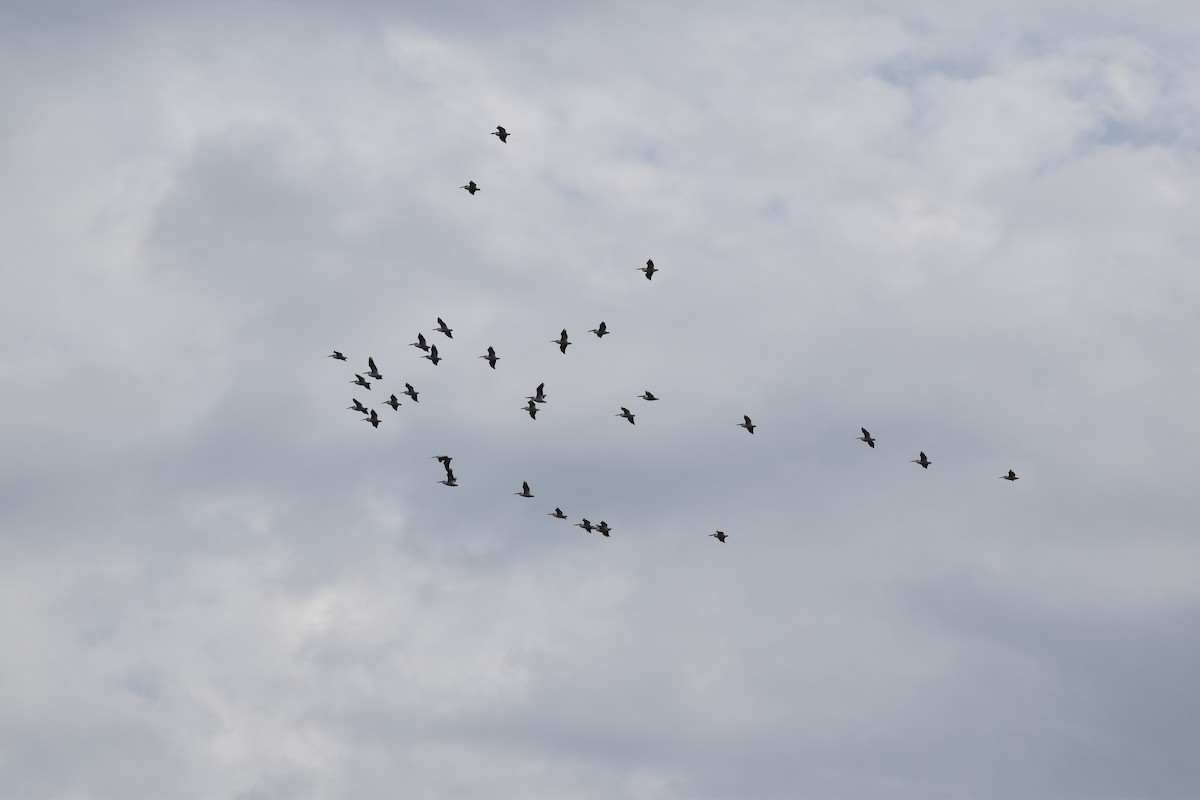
point(969, 228)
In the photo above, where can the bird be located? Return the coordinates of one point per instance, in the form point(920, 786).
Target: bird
point(1011, 476)
point(647, 396)
point(600, 330)
point(338, 356)
point(393, 402)
point(491, 357)
point(923, 460)
point(444, 460)
point(361, 381)
point(470, 187)
point(531, 408)
point(587, 526)
point(747, 424)
point(450, 479)
point(561, 341)
point(420, 342)
point(433, 356)
point(539, 395)
point(501, 134)
point(866, 437)
point(627, 414)
point(603, 528)
point(411, 392)
point(444, 328)
point(649, 269)
point(373, 419)
point(719, 536)
point(524, 490)
point(358, 407)
point(557, 514)
point(374, 373)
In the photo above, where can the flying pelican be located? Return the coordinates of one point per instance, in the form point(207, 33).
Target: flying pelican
point(600, 330)
point(531, 408)
point(338, 356)
point(561, 341)
point(603, 528)
point(923, 460)
point(358, 407)
point(373, 373)
point(557, 514)
point(539, 395)
point(524, 490)
point(647, 396)
point(420, 342)
point(411, 392)
point(450, 479)
point(649, 269)
point(866, 437)
point(719, 536)
point(444, 460)
point(627, 414)
point(361, 381)
point(748, 425)
point(444, 328)
point(433, 356)
point(1011, 476)
point(470, 187)
point(373, 419)
point(501, 134)
point(587, 526)
point(393, 402)
point(491, 357)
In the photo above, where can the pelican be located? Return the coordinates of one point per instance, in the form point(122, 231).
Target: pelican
point(491, 357)
point(501, 134)
point(539, 395)
point(587, 526)
point(470, 187)
point(627, 414)
point(649, 269)
point(532, 409)
point(450, 479)
point(338, 356)
point(923, 460)
point(358, 407)
point(561, 341)
point(444, 460)
point(433, 356)
point(393, 402)
point(748, 425)
point(866, 437)
point(373, 419)
point(600, 330)
point(719, 536)
point(361, 381)
point(444, 328)
point(411, 392)
point(373, 373)
point(647, 396)
point(557, 514)
point(1011, 476)
point(524, 490)
point(420, 342)
point(603, 528)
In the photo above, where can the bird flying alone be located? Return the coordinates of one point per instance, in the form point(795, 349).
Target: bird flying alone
point(338, 356)
point(411, 392)
point(373, 372)
point(444, 328)
point(524, 490)
point(719, 536)
point(627, 414)
point(501, 134)
point(393, 402)
point(1011, 476)
point(557, 513)
point(600, 330)
point(747, 424)
point(649, 269)
point(491, 357)
point(923, 460)
point(561, 341)
point(433, 355)
point(471, 187)
point(866, 437)
point(647, 395)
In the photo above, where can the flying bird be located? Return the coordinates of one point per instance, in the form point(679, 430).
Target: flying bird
point(649, 269)
point(719, 536)
point(603, 528)
point(647, 396)
point(1011, 476)
point(747, 424)
point(358, 406)
point(433, 356)
point(587, 526)
point(923, 460)
point(491, 357)
point(420, 342)
point(557, 514)
point(561, 341)
point(374, 373)
point(524, 490)
point(600, 330)
point(531, 408)
point(627, 414)
point(442, 327)
point(361, 381)
point(450, 479)
point(338, 356)
point(501, 134)
point(444, 460)
point(539, 395)
point(471, 187)
point(393, 402)
point(373, 419)
point(866, 437)
point(411, 392)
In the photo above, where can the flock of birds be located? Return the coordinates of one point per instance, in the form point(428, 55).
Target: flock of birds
point(538, 398)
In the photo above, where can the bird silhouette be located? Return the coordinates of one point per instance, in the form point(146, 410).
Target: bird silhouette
point(557, 514)
point(531, 409)
point(471, 187)
point(747, 424)
point(649, 269)
point(420, 342)
point(338, 356)
point(1011, 476)
point(923, 460)
point(539, 394)
point(393, 402)
point(627, 414)
point(450, 479)
point(373, 419)
point(442, 327)
point(443, 460)
point(358, 406)
point(561, 341)
point(359, 380)
point(647, 395)
point(600, 330)
point(524, 490)
point(491, 357)
point(373, 372)
point(411, 392)
point(587, 526)
point(433, 354)
point(501, 134)
point(719, 536)
point(866, 437)
point(603, 528)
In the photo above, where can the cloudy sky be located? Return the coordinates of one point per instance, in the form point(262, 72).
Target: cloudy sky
point(973, 232)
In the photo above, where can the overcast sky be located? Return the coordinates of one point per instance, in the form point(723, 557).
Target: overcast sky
point(973, 232)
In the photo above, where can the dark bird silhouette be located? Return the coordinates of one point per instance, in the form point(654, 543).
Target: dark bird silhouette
point(491, 357)
point(587, 526)
point(524, 490)
point(433, 355)
point(361, 381)
point(531, 409)
point(444, 328)
point(647, 396)
point(747, 424)
point(603, 528)
point(923, 460)
point(450, 479)
point(501, 134)
point(420, 342)
point(539, 395)
point(561, 341)
point(393, 402)
point(444, 460)
point(373, 419)
point(719, 536)
point(649, 269)
point(338, 356)
point(411, 392)
point(358, 406)
point(471, 187)
point(1011, 476)
point(866, 437)
point(627, 414)
point(600, 330)
point(557, 514)
point(373, 372)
